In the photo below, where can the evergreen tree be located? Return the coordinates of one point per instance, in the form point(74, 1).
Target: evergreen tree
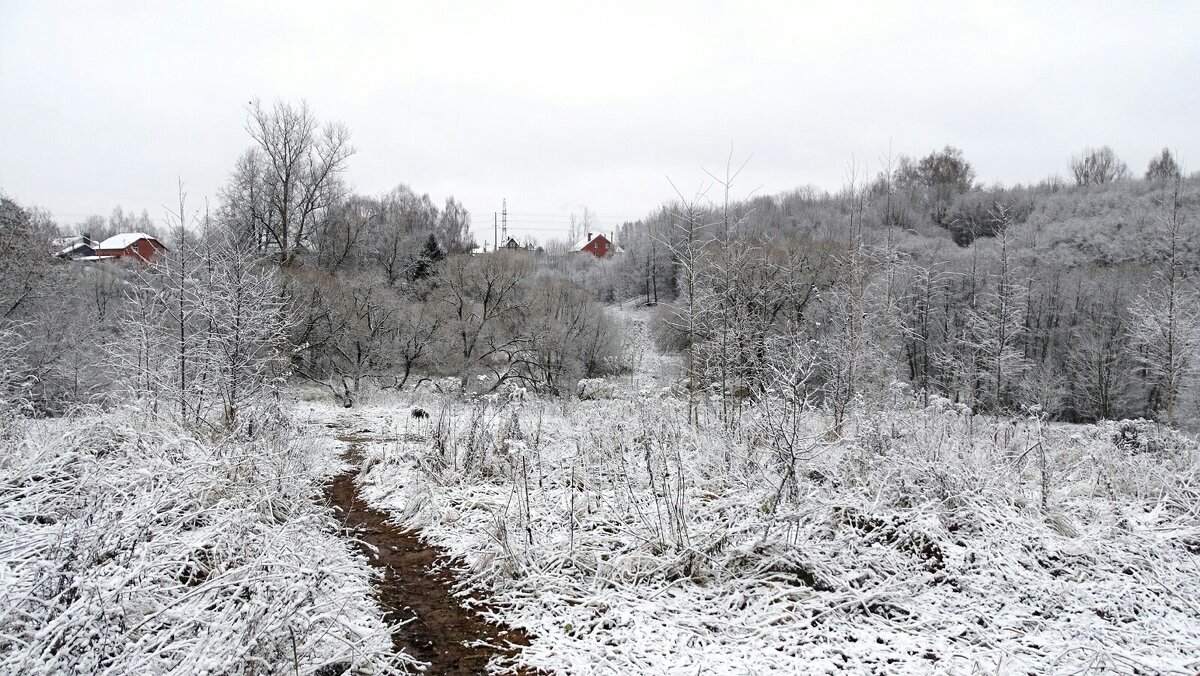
point(431, 254)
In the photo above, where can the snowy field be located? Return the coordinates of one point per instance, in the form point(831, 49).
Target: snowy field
point(621, 538)
point(924, 541)
point(127, 547)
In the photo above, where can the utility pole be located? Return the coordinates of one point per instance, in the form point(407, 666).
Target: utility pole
point(504, 219)
point(495, 233)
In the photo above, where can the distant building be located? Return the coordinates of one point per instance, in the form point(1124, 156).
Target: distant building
point(75, 247)
point(512, 244)
point(136, 245)
point(598, 245)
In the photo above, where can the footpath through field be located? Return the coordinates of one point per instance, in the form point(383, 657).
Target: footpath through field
point(416, 588)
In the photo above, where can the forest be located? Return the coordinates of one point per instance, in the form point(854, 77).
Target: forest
point(839, 409)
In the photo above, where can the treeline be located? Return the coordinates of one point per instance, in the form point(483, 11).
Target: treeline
point(288, 274)
point(1077, 300)
point(1074, 298)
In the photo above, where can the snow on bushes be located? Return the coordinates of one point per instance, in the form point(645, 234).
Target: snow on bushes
point(130, 547)
point(925, 540)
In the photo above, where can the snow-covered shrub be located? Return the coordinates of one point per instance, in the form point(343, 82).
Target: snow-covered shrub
point(594, 388)
point(1145, 436)
point(14, 400)
point(133, 547)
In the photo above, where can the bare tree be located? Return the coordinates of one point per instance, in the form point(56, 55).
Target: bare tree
point(568, 336)
point(1097, 166)
point(342, 232)
point(482, 296)
point(417, 336)
point(721, 269)
point(581, 224)
point(247, 327)
point(285, 182)
point(203, 330)
point(792, 386)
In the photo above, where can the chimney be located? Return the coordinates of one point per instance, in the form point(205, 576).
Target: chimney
point(589, 237)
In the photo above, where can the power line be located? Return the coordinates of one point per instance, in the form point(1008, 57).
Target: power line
point(567, 217)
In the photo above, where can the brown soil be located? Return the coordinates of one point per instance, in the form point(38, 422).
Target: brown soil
point(416, 588)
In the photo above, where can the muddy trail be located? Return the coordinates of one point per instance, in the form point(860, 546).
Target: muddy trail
point(417, 591)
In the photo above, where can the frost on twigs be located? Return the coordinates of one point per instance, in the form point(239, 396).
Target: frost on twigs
point(130, 547)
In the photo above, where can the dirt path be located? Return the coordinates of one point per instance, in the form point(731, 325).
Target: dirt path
point(454, 640)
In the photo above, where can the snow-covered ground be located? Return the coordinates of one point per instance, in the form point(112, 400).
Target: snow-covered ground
point(128, 547)
point(626, 541)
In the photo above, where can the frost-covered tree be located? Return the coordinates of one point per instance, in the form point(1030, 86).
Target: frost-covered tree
point(996, 324)
point(922, 325)
point(282, 186)
point(648, 257)
point(341, 236)
point(482, 298)
point(580, 224)
point(178, 275)
point(721, 273)
point(24, 273)
point(1165, 319)
point(246, 332)
point(406, 219)
point(858, 335)
point(941, 176)
point(44, 301)
point(1098, 365)
point(569, 336)
point(1163, 168)
point(792, 380)
point(14, 399)
point(454, 228)
point(688, 313)
point(204, 331)
point(359, 321)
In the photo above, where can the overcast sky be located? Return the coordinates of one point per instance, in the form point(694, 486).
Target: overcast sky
point(555, 105)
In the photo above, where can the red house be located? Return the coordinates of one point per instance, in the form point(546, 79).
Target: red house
point(597, 245)
point(137, 245)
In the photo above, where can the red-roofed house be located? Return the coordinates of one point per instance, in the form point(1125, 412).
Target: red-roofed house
point(137, 245)
point(596, 244)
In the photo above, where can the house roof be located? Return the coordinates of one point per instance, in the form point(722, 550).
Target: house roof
point(71, 241)
point(123, 240)
point(584, 242)
point(588, 240)
point(72, 247)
